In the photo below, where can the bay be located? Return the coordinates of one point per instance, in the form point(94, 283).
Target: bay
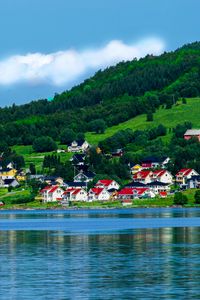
point(100, 254)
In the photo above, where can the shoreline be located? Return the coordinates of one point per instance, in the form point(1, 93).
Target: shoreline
point(96, 208)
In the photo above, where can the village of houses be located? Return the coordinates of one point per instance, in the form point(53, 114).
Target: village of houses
point(150, 179)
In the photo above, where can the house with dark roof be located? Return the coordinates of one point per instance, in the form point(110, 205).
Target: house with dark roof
point(158, 186)
point(154, 186)
point(83, 168)
point(9, 182)
point(8, 173)
point(152, 162)
point(9, 165)
point(78, 159)
point(194, 182)
point(84, 176)
point(135, 184)
point(75, 185)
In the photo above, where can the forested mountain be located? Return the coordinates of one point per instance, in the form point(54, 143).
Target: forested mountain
point(113, 95)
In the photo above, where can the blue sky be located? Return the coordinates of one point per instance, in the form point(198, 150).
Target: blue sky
point(47, 46)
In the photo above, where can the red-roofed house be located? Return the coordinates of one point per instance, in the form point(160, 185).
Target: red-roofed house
point(51, 193)
point(98, 194)
point(184, 174)
point(143, 176)
point(132, 193)
point(162, 176)
point(108, 184)
point(74, 194)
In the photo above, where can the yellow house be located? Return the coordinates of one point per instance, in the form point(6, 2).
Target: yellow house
point(136, 168)
point(21, 177)
point(8, 173)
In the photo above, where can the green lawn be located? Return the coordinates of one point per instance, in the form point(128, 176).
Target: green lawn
point(154, 202)
point(168, 117)
point(8, 197)
point(37, 158)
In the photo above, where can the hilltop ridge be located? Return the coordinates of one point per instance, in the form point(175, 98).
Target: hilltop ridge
point(117, 94)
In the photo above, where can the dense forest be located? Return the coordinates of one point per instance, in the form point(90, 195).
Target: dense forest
point(108, 98)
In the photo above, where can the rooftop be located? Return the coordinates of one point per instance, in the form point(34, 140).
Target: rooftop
point(192, 132)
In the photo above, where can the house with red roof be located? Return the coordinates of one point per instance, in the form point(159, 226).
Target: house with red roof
point(98, 194)
point(135, 193)
point(52, 193)
point(185, 174)
point(75, 194)
point(162, 176)
point(108, 184)
point(143, 176)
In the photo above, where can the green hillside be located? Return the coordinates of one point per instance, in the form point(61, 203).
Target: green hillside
point(178, 114)
point(115, 95)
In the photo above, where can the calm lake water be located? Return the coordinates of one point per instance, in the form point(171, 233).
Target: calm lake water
point(100, 254)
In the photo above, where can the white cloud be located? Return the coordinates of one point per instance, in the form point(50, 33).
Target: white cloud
point(62, 67)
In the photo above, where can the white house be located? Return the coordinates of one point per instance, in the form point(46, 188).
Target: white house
point(79, 146)
point(52, 193)
point(156, 187)
point(73, 194)
point(162, 176)
point(108, 184)
point(98, 194)
point(184, 174)
point(143, 176)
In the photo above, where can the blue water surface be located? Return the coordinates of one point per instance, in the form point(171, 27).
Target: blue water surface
point(100, 254)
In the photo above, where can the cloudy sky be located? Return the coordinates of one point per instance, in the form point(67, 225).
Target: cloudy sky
point(47, 46)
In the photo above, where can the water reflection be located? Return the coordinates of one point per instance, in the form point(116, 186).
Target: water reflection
point(101, 213)
point(158, 263)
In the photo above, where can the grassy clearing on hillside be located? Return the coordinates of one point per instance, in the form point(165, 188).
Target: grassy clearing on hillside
point(37, 158)
point(168, 117)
